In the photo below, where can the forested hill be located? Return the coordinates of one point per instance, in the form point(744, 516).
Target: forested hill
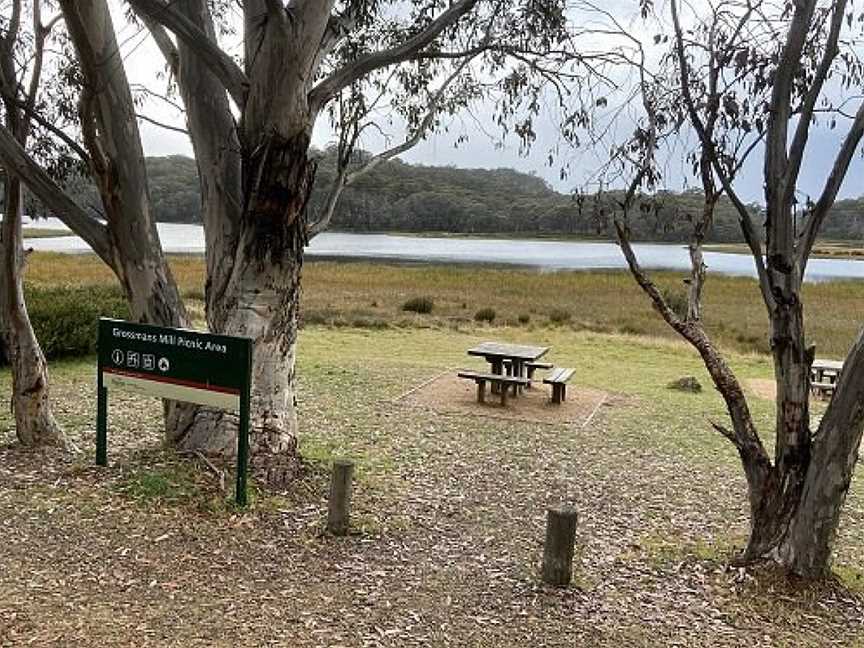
point(402, 197)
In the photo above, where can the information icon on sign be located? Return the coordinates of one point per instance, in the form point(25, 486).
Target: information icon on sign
point(117, 356)
point(164, 365)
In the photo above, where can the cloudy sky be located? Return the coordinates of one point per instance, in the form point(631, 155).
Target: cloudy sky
point(144, 65)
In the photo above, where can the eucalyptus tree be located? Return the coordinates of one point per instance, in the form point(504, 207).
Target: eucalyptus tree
point(302, 62)
point(91, 98)
point(22, 45)
point(752, 78)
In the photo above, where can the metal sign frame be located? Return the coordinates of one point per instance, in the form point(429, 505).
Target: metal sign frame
point(176, 364)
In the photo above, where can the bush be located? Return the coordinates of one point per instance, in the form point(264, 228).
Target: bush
point(419, 305)
point(524, 318)
point(559, 316)
point(485, 315)
point(66, 319)
point(686, 384)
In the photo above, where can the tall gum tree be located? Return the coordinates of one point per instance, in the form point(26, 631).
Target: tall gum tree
point(257, 175)
point(125, 237)
point(34, 421)
point(746, 81)
point(124, 234)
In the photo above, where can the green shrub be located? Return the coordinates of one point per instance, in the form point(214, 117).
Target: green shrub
point(485, 315)
point(65, 319)
point(559, 316)
point(422, 305)
point(524, 318)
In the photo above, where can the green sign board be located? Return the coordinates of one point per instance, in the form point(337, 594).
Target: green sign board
point(177, 364)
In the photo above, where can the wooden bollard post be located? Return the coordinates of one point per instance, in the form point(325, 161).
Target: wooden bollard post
point(558, 550)
point(339, 511)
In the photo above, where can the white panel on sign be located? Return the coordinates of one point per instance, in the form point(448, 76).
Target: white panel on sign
point(172, 391)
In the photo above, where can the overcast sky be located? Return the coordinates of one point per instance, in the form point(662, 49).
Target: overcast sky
point(144, 63)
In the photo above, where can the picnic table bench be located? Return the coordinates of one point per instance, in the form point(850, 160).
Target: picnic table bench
point(503, 382)
point(558, 379)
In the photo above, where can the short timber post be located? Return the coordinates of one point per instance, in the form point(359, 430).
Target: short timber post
point(339, 510)
point(558, 550)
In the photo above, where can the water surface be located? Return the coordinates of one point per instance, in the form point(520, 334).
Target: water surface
point(540, 254)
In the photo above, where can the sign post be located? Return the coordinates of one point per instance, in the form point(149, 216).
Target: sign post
point(177, 364)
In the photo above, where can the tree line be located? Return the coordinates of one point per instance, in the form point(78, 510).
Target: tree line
point(397, 196)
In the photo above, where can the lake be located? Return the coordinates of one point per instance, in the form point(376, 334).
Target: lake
point(541, 254)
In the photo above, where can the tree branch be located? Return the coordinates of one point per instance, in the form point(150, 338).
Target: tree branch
point(18, 163)
point(779, 184)
point(51, 127)
point(802, 131)
point(164, 43)
point(219, 63)
point(344, 179)
point(832, 186)
point(342, 78)
point(150, 120)
point(337, 28)
point(744, 436)
point(748, 228)
point(7, 44)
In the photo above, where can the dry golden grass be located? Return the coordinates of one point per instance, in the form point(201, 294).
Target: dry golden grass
point(824, 248)
point(372, 294)
point(51, 269)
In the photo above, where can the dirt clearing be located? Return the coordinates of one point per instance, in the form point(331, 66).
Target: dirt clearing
point(446, 393)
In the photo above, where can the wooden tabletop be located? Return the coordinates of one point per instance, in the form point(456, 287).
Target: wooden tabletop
point(503, 350)
point(822, 363)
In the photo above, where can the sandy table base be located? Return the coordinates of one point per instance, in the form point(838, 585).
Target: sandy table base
point(449, 394)
point(767, 389)
point(762, 388)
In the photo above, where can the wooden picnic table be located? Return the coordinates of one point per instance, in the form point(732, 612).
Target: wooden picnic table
point(830, 369)
point(496, 353)
point(824, 375)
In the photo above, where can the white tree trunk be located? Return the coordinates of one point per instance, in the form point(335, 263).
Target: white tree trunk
point(34, 420)
point(266, 299)
point(254, 194)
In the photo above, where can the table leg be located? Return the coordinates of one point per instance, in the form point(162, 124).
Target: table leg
point(518, 370)
point(497, 368)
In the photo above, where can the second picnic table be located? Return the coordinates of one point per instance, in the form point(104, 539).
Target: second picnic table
point(518, 355)
point(824, 375)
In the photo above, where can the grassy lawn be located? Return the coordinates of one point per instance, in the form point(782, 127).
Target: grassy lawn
point(448, 510)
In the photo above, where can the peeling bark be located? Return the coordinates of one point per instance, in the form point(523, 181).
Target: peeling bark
point(254, 197)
